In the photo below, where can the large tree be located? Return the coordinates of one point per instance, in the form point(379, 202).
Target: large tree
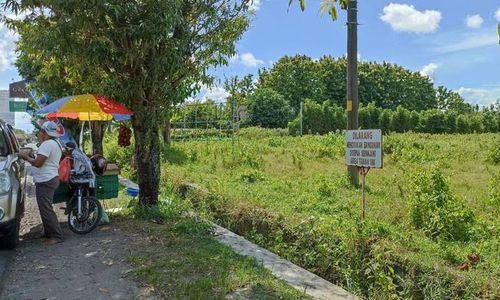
point(147, 54)
point(268, 109)
point(387, 85)
point(448, 100)
point(294, 77)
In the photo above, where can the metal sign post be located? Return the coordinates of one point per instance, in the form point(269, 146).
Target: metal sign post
point(363, 171)
point(364, 151)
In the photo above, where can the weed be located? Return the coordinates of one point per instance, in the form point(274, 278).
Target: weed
point(435, 209)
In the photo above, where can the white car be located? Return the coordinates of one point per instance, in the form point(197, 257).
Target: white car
point(12, 187)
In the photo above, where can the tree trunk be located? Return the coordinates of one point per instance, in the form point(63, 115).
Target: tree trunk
point(147, 158)
point(166, 132)
point(98, 129)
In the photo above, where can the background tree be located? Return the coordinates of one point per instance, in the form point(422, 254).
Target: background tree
point(295, 78)
point(58, 77)
point(267, 108)
point(450, 100)
point(386, 85)
point(147, 54)
point(239, 90)
point(332, 77)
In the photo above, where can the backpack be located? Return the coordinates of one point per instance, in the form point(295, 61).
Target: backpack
point(65, 169)
point(64, 166)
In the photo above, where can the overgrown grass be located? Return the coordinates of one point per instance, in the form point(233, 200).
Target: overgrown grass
point(291, 195)
point(176, 255)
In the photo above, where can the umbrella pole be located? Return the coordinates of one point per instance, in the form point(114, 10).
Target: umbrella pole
point(91, 141)
point(80, 142)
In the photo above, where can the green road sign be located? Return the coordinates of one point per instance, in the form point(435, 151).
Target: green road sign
point(18, 106)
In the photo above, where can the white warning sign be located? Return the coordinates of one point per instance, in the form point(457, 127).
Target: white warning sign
point(364, 148)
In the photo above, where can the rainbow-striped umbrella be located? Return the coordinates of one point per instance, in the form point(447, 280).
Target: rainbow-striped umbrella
point(87, 107)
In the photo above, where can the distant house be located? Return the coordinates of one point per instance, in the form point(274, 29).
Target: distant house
point(5, 114)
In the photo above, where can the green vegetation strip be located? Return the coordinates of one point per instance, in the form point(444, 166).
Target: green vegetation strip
point(178, 258)
point(432, 228)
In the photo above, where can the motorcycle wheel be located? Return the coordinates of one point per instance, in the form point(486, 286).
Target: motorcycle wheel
point(90, 217)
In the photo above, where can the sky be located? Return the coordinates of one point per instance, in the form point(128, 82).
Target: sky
point(454, 42)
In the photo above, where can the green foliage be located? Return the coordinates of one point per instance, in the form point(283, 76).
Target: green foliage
point(259, 133)
point(198, 265)
point(435, 209)
point(495, 190)
point(149, 55)
point(292, 196)
point(323, 118)
point(319, 118)
point(385, 121)
point(400, 121)
point(252, 176)
point(117, 154)
point(494, 154)
point(451, 101)
point(326, 5)
point(386, 85)
point(238, 91)
point(268, 109)
point(197, 114)
point(369, 116)
point(433, 121)
point(294, 78)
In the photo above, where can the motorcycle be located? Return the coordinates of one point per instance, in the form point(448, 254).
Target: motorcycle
point(83, 209)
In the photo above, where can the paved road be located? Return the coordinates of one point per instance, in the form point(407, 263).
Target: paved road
point(90, 266)
point(5, 258)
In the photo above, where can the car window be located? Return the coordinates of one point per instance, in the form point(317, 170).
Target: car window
point(13, 139)
point(4, 147)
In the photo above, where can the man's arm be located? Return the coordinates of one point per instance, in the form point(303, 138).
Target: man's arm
point(36, 162)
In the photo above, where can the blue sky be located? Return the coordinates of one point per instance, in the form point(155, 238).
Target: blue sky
point(455, 42)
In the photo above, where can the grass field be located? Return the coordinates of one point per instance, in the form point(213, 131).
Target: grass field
point(432, 228)
point(176, 257)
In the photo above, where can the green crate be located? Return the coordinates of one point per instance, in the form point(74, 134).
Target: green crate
point(106, 187)
point(61, 194)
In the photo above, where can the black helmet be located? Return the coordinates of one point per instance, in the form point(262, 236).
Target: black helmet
point(99, 164)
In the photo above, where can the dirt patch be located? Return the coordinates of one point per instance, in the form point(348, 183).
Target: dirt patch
point(90, 266)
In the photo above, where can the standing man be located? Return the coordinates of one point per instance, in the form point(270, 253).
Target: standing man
point(46, 177)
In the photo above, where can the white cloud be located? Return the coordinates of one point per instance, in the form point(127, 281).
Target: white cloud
point(249, 60)
point(403, 17)
point(246, 59)
point(468, 42)
point(7, 48)
point(474, 21)
point(215, 93)
point(429, 70)
point(254, 5)
point(482, 97)
point(497, 14)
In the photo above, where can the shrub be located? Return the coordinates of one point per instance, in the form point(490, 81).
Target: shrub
point(494, 154)
point(400, 120)
point(260, 133)
point(385, 120)
point(495, 189)
point(252, 176)
point(436, 210)
point(267, 108)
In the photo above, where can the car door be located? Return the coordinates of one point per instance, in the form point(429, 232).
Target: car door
point(18, 166)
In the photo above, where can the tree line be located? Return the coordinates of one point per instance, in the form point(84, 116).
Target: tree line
point(391, 97)
point(321, 118)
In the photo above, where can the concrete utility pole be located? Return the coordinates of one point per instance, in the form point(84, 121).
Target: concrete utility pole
point(352, 77)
